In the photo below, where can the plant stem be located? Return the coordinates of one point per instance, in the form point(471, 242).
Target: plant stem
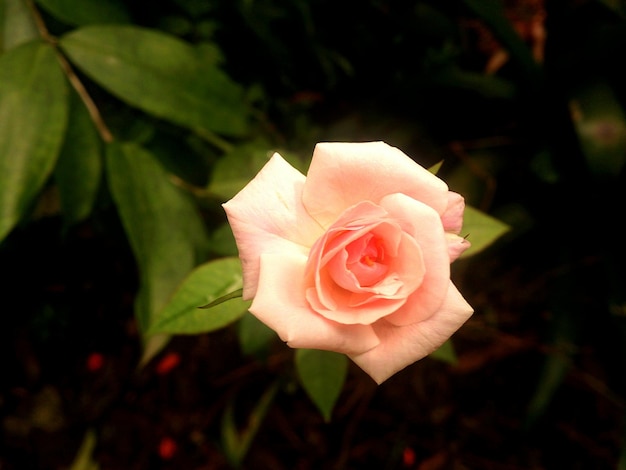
point(214, 140)
point(92, 109)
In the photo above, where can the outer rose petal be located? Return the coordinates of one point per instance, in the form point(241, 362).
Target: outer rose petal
point(403, 345)
point(267, 216)
point(280, 304)
point(452, 218)
point(456, 245)
point(343, 174)
point(424, 225)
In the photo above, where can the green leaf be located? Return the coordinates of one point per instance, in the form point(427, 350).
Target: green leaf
point(445, 353)
point(16, 24)
point(209, 282)
point(555, 369)
point(83, 12)
point(230, 437)
point(79, 169)
point(255, 337)
point(601, 127)
point(164, 229)
point(236, 444)
point(33, 120)
point(220, 300)
point(84, 458)
point(566, 322)
point(223, 241)
point(482, 230)
point(235, 169)
point(436, 167)
point(159, 74)
point(322, 374)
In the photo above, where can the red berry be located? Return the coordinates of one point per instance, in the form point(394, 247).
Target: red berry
point(408, 457)
point(168, 363)
point(167, 448)
point(95, 361)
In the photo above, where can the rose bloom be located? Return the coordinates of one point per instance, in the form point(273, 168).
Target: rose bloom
point(355, 257)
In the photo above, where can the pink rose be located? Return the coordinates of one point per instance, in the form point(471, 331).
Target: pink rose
point(355, 257)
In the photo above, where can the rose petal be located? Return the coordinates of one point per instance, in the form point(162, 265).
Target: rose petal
point(348, 311)
point(335, 291)
point(353, 276)
point(281, 305)
point(267, 216)
point(335, 258)
point(350, 226)
point(452, 218)
point(424, 225)
point(366, 259)
point(401, 346)
point(456, 245)
point(343, 174)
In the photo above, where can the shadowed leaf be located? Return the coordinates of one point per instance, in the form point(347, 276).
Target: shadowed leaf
point(79, 169)
point(82, 12)
point(33, 120)
point(159, 74)
point(165, 231)
point(445, 353)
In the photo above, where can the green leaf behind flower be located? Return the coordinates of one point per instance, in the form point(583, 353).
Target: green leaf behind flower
point(481, 230)
point(205, 286)
point(445, 353)
point(235, 170)
point(322, 374)
point(223, 241)
point(436, 167)
point(254, 336)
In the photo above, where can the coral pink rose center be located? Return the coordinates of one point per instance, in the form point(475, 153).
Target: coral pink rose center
point(366, 258)
point(364, 268)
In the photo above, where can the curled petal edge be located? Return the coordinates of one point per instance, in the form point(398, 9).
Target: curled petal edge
point(401, 346)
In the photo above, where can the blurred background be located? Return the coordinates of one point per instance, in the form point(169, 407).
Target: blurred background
point(170, 106)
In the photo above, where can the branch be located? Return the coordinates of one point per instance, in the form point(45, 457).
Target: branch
point(92, 109)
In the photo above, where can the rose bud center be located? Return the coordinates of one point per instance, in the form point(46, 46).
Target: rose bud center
point(366, 260)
